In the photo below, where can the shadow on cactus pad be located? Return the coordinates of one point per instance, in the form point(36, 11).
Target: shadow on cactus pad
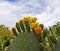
point(26, 41)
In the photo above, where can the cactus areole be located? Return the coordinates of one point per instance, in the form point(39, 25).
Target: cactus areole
point(26, 41)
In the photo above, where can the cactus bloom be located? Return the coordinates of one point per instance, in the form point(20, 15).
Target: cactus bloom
point(32, 20)
point(35, 24)
point(26, 18)
point(38, 30)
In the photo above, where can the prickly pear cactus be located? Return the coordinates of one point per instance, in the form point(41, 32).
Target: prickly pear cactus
point(25, 41)
point(57, 46)
point(32, 36)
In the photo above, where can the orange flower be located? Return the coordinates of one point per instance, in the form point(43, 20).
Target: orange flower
point(38, 30)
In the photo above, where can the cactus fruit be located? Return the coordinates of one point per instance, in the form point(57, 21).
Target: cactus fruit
point(18, 27)
point(14, 31)
point(45, 32)
point(27, 25)
point(42, 26)
point(22, 25)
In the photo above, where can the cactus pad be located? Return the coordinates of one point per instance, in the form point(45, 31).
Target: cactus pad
point(26, 41)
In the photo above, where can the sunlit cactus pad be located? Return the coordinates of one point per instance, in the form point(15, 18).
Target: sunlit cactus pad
point(26, 41)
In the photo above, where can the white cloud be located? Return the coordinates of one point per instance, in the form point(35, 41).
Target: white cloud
point(47, 12)
point(6, 15)
point(51, 14)
point(11, 12)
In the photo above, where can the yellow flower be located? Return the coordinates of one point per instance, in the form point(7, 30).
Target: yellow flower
point(38, 30)
point(21, 21)
point(26, 18)
point(35, 18)
point(35, 24)
point(31, 20)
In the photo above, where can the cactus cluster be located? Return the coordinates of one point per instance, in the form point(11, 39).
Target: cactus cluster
point(32, 36)
point(25, 39)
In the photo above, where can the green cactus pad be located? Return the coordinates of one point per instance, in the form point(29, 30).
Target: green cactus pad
point(27, 26)
point(42, 26)
point(57, 46)
point(26, 41)
point(18, 27)
point(14, 31)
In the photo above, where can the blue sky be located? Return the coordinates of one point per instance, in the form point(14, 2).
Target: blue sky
point(46, 11)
